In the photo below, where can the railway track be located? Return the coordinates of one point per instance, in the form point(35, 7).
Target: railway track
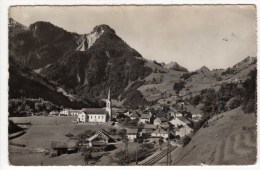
point(158, 156)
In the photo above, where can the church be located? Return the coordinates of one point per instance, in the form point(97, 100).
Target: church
point(96, 115)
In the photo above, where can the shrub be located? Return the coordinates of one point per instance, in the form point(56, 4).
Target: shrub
point(188, 75)
point(186, 140)
point(178, 86)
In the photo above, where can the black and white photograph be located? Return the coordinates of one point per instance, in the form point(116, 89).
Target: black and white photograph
point(132, 85)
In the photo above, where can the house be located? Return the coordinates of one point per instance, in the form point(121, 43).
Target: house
point(178, 114)
point(146, 118)
point(146, 132)
point(127, 113)
point(69, 112)
point(132, 134)
point(74, 112)
point(160, 133)
point(64, 146)
point(54, 113)
point(165, 125)
point(150, 126)
point(64, 112)
point(196, 117)
point(134, 115)
point(82, 117)
point(178, 121)
point(159, 120)
point(181, 126)
point(182, 131)
point(101, 138)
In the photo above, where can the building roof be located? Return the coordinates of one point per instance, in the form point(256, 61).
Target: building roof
point(146, 116)
point(165, 124)
point(160, 131)
point(150, 126)
point(147, 130)
point(131, 131)
point(92, 111)
point(184, 120)
point(163, 119)
point(134, 114)
point(99, 133)
point(63, 144)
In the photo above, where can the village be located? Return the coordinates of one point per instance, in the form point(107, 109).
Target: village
point(158, 125)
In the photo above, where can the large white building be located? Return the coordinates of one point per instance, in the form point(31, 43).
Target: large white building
point(69, 112)
point(96, 115)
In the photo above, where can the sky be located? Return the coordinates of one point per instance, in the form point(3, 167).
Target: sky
point(216, 36)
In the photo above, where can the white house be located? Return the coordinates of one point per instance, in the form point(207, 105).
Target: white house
point(196, 117)
point(183, 131)
point(145, 118)
point(69, 112)
point(54, 113)
point(160, 133)
point(132, 134)
point(181, 124)
point(74, 112)
point(82, 117)
point(64, 112)
point(134, 115)
point(159, 120)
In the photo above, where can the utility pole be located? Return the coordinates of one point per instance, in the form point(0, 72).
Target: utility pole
point(136, 153)
point(167, 152)
point(126, 152)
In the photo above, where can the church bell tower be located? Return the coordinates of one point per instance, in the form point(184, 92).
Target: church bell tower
point(109, 106)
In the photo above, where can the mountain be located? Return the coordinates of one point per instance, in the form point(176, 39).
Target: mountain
point(203, 69)
point(101, 61)
point(24, 83)
point(15, 26)
point(39, 45)
point(245, 63)
point(176, 66)
point(87, 65)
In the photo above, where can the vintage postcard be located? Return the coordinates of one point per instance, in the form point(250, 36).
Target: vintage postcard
point(135, 85)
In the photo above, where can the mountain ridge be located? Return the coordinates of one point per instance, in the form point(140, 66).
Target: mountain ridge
point(90, 64)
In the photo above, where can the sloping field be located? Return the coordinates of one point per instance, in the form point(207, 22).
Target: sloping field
point(46, 129)
point(230, 139)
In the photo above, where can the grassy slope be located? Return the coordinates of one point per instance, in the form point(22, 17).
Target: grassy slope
point(44, 130)
point(164, 80)
point(224, 142)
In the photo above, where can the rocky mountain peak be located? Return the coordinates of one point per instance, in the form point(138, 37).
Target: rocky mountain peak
point(204, 69)
point(175, 66)
point(87, 40)
point(247, 61)
point(14, 24)
point(103, 28)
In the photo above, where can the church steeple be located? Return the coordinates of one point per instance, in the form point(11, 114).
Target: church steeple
point(109, 95)
point(109, 106)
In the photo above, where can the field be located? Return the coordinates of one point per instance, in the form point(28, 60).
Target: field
point(40, 135)
point(46, 129)
point(230, 139)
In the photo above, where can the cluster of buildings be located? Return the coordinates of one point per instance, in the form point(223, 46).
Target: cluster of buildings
point(159, 127)
point(172, 124)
